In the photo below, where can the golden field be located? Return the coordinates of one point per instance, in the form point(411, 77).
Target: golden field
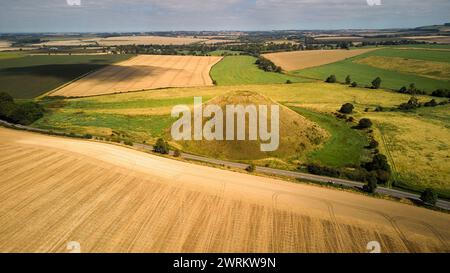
point(113, 199)
point(429, 69)
point(296, 60)
point(143, 72)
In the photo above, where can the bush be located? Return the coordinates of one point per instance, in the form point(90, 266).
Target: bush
point(429, 197)
point(88, 136)
point(431, 103)
point(354, 84)
point(373, 144)
point(347, 108)
point(379, 162)
point(348, 80)
point(365, 123)
point(413, 103)
point(288, 82)
point(376, 83)
point(177, 153)
point(251, 168)
point(331, 79)
point(161, 146)
point(379, 109)
point(322, 170)
point(128, 142)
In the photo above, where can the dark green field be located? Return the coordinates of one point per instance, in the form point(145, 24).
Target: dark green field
point(26, 77)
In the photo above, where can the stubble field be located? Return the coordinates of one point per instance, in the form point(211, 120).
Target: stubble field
point(296, 60)
point(144, 72)
point(112, 199)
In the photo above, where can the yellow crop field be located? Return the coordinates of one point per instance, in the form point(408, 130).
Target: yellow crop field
point(296, 60)
point(113, 199)
point(429, 69)
point(144, 72)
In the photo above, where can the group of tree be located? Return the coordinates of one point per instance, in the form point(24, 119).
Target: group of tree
point(413, 103)
point(441, 93)
point(20, 113)
point(376, 83)
point(412, 90)
point(267, 65)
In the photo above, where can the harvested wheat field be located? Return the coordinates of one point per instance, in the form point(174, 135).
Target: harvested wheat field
point(297, 60)
point(144, 72)
point(113, 199)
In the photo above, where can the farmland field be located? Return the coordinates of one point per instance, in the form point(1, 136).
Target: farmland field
point(144, 72)
point(144, 116)
point(27, 77)
point(296, 60)
point(363, 72)
point(236, 70)
point(128, 201)
point(124, 40)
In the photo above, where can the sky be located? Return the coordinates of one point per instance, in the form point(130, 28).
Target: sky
point(171, 15)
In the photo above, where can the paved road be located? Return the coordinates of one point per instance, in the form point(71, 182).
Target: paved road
point(310, 177)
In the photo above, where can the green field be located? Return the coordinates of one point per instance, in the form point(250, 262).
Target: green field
point(222, 52)
point(27, 77)
point(363, 74)
point(237, 70)
point(346, 146)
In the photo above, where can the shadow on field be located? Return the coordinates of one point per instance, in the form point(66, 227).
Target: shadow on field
point(68, 72)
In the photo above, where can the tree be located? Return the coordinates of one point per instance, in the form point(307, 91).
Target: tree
point(365, 123)
point(161, 146)
point(429, 197)
point(376, 83)
point(348, 80)
point(379, 162)
point(331, 79)
point(347, 108)
point(372, 185)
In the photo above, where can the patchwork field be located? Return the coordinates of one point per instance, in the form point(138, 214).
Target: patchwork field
point(296, 60)
point(113, 199)
point(130, 40)
point(392, 65)
point(420, 157)
point(27, 77)
point(144, 72)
